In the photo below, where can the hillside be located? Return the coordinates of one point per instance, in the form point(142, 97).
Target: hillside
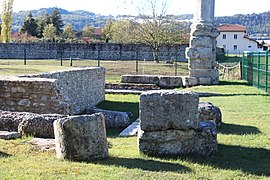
point(256, 23)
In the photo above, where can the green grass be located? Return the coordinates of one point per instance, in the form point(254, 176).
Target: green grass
point(244, 146)
point(114, 69)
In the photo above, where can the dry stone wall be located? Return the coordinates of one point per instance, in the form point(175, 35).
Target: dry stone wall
point(101, 51)
point(63, 92)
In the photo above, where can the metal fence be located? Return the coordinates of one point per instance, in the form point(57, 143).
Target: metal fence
point(255, 69)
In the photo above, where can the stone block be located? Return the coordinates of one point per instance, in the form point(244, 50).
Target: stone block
point(162, 110)
point(39, 125)
point(206, 139)
point(169, 82)
point(209, 112)
point(9, 135)
point(201, 64)
point(190, 81)
point(199, 53)
point(212, 73)
point(81, 138)
point(201, 29)
point(201, 41)
point(140, 79)
point(169, 142)
point(9, 121)
point(131, 130)
point(205, 81)
point(114, 119)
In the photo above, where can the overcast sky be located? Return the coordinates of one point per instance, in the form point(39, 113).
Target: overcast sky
point(115, 7)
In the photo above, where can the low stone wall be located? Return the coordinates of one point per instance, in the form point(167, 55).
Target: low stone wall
point(63, 92)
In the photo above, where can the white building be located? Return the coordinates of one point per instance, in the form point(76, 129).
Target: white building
point(234, 40)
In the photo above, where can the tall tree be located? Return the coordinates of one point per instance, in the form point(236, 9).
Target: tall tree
point(30, 26)
point(88, 31)
point(107, 30)
point(57, 21)
point(68, 32)
point(6, 17)
point(49, 33)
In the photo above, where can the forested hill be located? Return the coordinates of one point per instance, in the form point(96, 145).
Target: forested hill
point(256, 23)
point(78, 19)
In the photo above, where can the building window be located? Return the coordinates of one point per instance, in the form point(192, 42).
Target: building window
point(235, 47)
point(249, 47)
point(224, 36)
point(235, 36)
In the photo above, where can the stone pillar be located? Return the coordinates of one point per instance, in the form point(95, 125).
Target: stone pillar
point(201, 53)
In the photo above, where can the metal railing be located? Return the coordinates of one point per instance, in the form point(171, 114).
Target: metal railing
point(255, 69)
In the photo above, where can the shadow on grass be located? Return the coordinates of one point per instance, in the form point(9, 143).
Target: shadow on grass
point(235, 83)
point(254, 161)
point(147, 165)
point(4, 155)
point(121, 106)
point(238, 129)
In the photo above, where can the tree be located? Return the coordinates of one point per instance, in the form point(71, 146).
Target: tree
point(30, 26)
point(157, 28)
point(107, 30)
point(123, 31)
point(49, 33)
point(6, 18)
point(68, 32)
point(57, 21)
point(88, 31)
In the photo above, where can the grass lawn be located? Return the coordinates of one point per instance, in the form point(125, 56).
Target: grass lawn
point(244, 146)
point(114, 69)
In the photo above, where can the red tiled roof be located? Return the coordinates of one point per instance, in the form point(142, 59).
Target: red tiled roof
point(232, 28)
point(97, 31)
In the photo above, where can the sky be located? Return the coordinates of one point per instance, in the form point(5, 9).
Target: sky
point(130, 7)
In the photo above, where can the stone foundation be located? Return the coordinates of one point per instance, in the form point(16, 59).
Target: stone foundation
point(63, 92)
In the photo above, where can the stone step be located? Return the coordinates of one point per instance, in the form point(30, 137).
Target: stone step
point(9, 135)
point(132, 86)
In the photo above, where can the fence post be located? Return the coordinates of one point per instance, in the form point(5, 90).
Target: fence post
point(175, 66)
point(250, 68)
point(61, 59)
point(137, 63)
point(98, 58)
point(71, 63)
point(259, 69)
point(267, 71)
point(24, 56)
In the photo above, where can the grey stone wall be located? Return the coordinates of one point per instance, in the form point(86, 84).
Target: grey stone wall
point(89, 51)
point(63, 92)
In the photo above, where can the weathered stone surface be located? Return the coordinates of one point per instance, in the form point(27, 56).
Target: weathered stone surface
point(114, 119)
point(204, 30)
point(131, 130)
point(81, 138)
point(39, 125)
point(131, 86)
point(200, 53)
point(211, 73)
point(9, 135)
point(206, 139)
point(43, 144)
point(168, 82)
point(163, 110)
point(169, 142)
point(202, 64)
point(209, 112)
point(140, 79)
point(190, 81)
point(9, 121)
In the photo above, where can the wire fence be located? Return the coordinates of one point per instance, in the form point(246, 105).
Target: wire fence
point(116, 63)
point(255, 69)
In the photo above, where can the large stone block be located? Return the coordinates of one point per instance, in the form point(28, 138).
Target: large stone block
point(199, 53)
point(201, 64)
point(163, 110)
point(140, 79)
point(190, 81)
point(39, 125)
point(201, 29)
point(201, 41)
point(209, 112)
point(213, 73)
point(169, 142)
point(81, 138)
point(170, 81)
point(9, 121)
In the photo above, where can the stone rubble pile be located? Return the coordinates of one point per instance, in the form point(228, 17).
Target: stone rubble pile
point(170, 126)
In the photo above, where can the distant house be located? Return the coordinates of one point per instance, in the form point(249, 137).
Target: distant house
point(234, 40)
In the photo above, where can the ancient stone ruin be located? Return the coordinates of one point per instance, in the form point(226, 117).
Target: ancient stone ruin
point(81, 138)
point(170, 125)
point(64, 92)
point(201, 53)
